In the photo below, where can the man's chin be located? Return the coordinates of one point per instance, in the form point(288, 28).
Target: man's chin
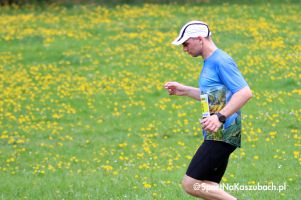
point(193, 55)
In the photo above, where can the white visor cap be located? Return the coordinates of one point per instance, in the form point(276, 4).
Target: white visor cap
point(192, 29)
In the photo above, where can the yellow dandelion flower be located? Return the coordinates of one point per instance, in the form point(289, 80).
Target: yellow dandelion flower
point(107, 167)
point(147, 185)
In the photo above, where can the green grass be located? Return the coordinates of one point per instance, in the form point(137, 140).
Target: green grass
point(84, 114)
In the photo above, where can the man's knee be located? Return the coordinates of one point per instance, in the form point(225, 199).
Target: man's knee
point(186, 185)
point(193, 186)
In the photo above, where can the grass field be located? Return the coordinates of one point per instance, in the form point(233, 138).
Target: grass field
point(84, 114)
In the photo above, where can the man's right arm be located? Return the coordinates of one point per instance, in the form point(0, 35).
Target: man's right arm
point(175, 88)
point(193, 92)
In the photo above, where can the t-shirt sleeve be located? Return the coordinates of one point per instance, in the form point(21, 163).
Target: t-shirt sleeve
point(231, 76)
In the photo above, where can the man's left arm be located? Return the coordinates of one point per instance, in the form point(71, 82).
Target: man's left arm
point(237, 101)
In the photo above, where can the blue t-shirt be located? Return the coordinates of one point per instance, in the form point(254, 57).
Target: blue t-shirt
point(220, 79)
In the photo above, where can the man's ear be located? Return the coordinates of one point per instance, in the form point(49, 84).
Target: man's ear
point(200, 39)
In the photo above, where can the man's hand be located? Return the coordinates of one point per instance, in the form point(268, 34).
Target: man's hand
point(211, 123)
point(175, 88)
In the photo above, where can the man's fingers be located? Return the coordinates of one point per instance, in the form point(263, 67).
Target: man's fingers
point(170, 88)
point(209, 124)
point(206, 123)
point(203, 120)
point(203, 123)
point(167, 85)
point(171, 91)
point(171, 84)
point(205, 126)
point(210, 127)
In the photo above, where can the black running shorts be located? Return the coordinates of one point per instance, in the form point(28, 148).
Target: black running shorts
point(210, 161)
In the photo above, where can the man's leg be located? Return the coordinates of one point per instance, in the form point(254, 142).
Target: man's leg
point(207, 190)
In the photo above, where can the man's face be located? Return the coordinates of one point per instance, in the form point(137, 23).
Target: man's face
point(193, 47)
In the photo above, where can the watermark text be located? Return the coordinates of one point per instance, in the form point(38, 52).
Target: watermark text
point(240, 187)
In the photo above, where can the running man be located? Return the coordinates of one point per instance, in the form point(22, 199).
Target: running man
point(224, 90)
